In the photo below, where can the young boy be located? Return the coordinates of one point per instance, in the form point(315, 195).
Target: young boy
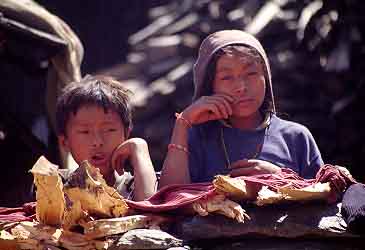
point(231, 127)
point(94, 122)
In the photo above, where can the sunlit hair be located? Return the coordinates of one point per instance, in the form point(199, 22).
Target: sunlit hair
point(103, 91)
point(247, 54)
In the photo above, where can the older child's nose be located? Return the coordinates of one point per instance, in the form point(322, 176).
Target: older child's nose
point(240, 88)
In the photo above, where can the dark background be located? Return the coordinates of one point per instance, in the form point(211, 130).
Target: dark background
point(102, 26)
point(318, 76)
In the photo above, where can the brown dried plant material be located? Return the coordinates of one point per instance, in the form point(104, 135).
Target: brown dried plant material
point(8, 241)
point(220, 204)
point(32, 235)
point(49, 195)
point(106, 227)
point(266, 196)
point(317, 191)
point(74, 215)
point(87, 186)
point(234, 188)
point(76, 241)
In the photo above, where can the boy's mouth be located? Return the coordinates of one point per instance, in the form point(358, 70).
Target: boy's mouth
point(98, 159)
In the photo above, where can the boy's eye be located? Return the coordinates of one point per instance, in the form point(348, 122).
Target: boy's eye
point(110, 130)
point(83, 131)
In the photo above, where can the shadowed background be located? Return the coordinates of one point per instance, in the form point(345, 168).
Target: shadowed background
point(315, 49)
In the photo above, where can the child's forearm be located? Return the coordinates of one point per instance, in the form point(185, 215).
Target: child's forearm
point(144, 175)
point(175, 169)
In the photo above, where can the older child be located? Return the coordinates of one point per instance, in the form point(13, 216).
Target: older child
point(94, 122)
point(231, 126)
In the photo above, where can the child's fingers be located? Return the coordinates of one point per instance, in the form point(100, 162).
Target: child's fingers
point(224, 113)
point(223, 101)
point(213, 112)
point(118, 164)
point(227, 97)
point(118, 156)
point(118, 167)
point(227, 106)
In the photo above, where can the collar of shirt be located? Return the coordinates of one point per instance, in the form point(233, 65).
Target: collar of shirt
point(265, 123)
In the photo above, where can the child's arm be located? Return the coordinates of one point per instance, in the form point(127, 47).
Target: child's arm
point(253, 167)
point(136, 149)
point(176, 166)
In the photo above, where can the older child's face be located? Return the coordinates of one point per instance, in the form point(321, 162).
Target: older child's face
point(92, 134)
point(244, 80)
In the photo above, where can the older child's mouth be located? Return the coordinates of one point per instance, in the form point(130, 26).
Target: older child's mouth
point(243, 101)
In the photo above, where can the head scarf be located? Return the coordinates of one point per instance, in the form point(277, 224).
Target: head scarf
point(218, 40)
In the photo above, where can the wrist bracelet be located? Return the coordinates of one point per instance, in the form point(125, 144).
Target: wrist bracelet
point(180, 117)
point(178, 147)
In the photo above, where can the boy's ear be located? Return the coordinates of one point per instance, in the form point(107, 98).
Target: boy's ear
point(63, 142)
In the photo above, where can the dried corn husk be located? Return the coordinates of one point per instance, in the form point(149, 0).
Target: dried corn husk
point(220, 204)
point(8, 241)
point(87, 186)
point(234, 188)
point(106, 227)
point(32, 235)
point(50, 198)
point(317, 191)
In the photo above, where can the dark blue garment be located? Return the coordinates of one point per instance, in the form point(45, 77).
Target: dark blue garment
point(283, 143)
point(353, 208)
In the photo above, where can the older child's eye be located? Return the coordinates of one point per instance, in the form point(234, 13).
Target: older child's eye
point(226, 78)
point(252, 73)
point(248, 75)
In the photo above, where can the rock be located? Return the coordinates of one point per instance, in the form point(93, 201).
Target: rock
point(146, 239)
point(289, 244)
point(286, 221)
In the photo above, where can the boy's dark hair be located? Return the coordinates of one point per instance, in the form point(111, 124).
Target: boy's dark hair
point(99, 90)
point(267, 105)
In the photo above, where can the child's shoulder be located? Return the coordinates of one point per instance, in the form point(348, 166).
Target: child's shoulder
point(287, 126)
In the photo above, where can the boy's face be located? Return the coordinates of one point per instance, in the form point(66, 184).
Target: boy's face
point(244, 80)
point(92, 134)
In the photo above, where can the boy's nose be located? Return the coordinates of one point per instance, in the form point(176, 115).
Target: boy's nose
point(98, 141)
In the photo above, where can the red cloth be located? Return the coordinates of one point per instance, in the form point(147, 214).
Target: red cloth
point(338, 180)
point(173, 196)
point(285, 178)
point(24, 213)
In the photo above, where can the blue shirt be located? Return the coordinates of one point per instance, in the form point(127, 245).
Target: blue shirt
point(283, 143)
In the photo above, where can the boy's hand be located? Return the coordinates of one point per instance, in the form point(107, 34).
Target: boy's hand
point(253, 167)
point(127, 150)
point(207, 108)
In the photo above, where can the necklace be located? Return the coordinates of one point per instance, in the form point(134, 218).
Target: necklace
point(225, 151)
